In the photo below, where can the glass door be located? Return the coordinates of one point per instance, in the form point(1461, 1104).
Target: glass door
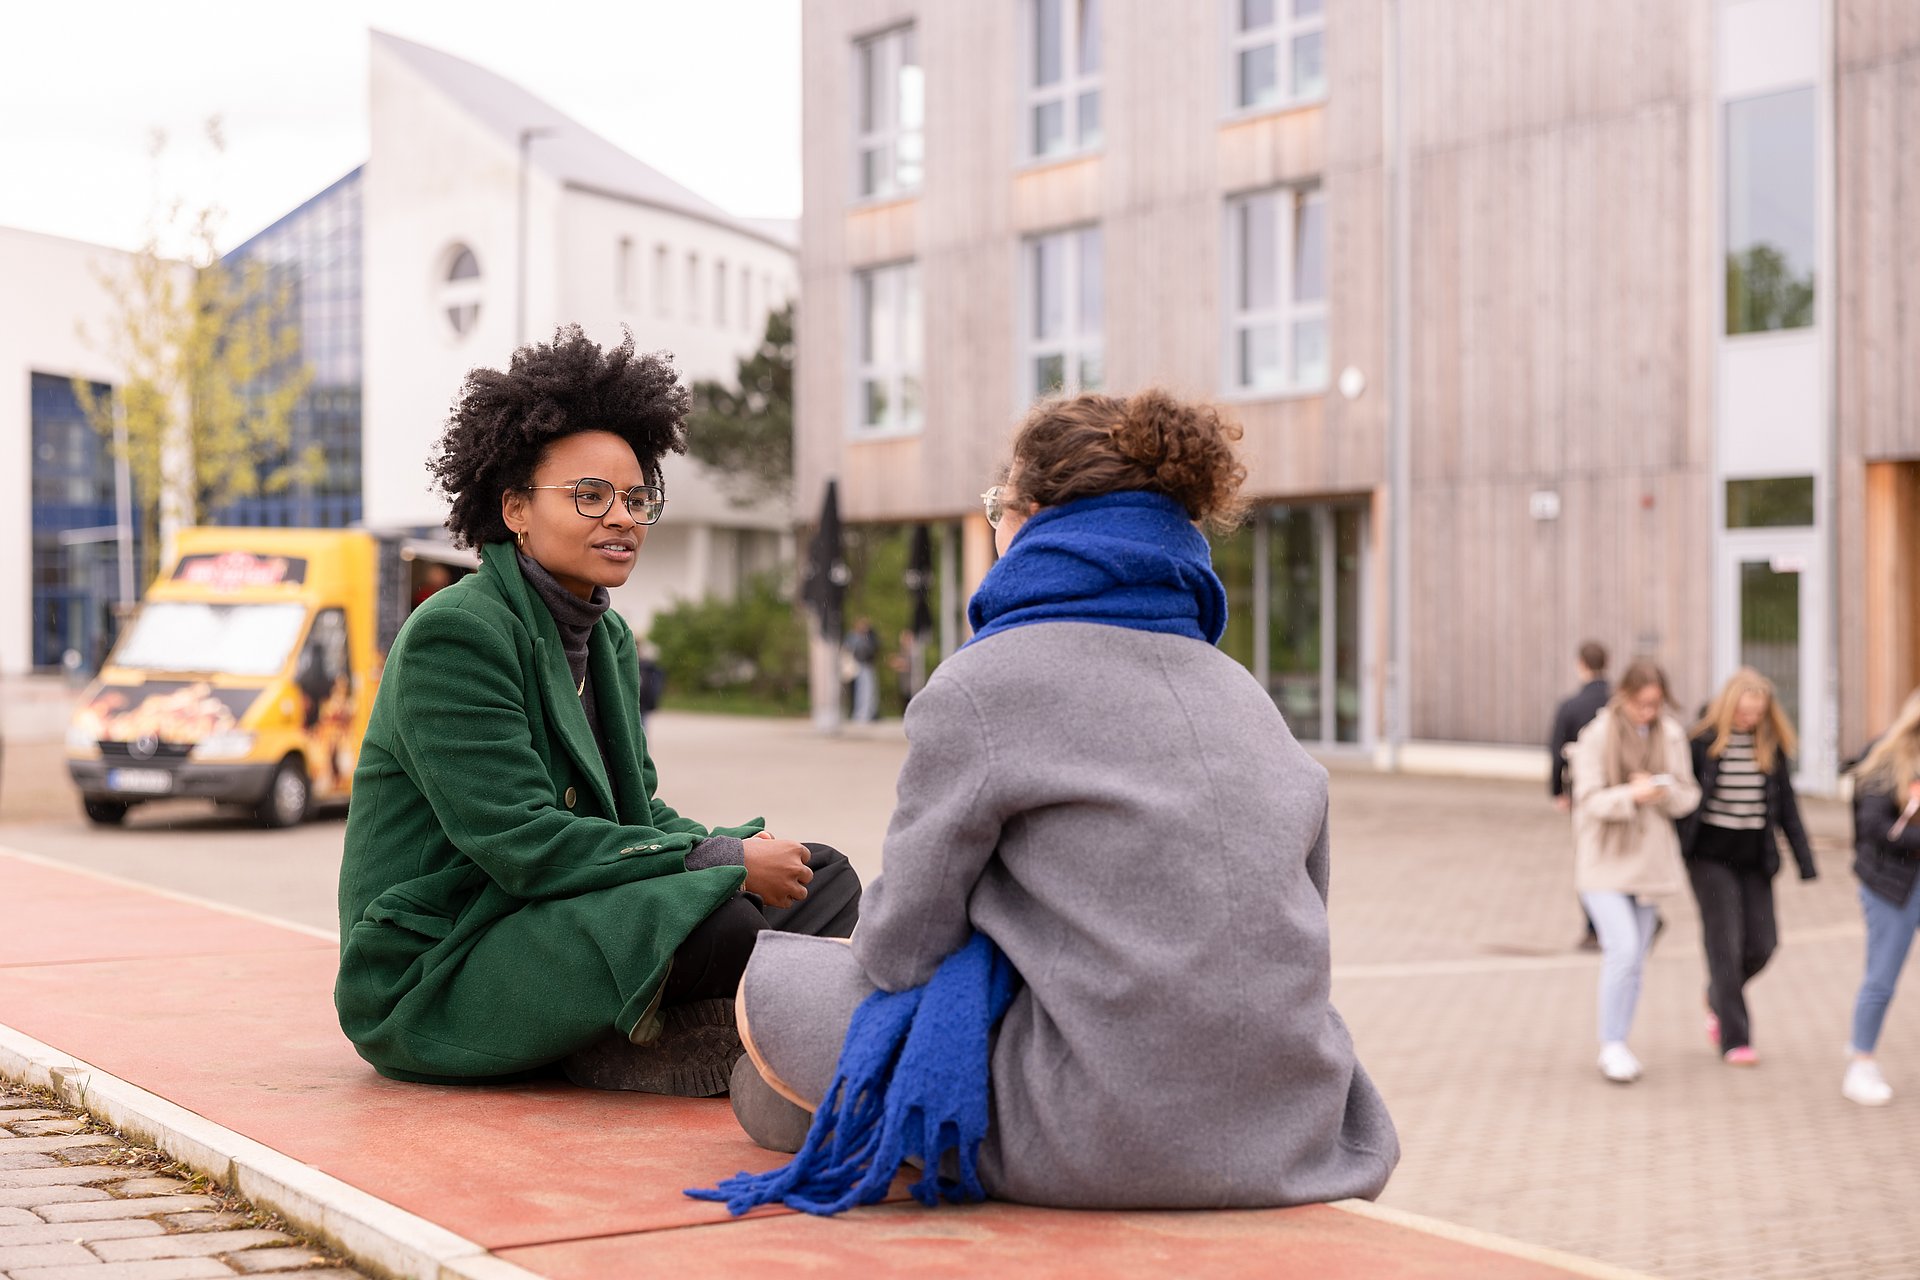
point(1771, 583)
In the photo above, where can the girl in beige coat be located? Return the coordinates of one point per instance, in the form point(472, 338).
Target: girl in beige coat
point(1632, 778)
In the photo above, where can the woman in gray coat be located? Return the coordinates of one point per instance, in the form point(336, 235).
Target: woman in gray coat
point(1120, 808)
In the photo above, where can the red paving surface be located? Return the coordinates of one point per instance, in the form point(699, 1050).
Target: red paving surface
point(233, 1019)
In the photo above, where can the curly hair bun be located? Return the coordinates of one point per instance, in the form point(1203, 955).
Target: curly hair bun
point(1089, 445)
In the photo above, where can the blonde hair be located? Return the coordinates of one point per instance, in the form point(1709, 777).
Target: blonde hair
point(1772, 737)
point(1894, 763)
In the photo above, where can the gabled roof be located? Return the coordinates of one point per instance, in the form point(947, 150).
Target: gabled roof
point(566, 149)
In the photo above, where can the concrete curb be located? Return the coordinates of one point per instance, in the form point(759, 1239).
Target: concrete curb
point(1487, 1240)
point(368, 1231)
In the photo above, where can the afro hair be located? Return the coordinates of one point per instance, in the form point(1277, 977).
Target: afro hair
point(504, 422)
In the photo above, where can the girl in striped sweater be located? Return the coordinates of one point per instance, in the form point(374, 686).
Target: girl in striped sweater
point(1742, 755)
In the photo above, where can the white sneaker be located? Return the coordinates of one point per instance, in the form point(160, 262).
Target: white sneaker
point(1618, 1064)
point(1865, 1085)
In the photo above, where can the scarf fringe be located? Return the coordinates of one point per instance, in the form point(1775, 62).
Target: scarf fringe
point(902, 1089)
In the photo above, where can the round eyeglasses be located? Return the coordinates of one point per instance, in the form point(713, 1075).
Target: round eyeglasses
point(593, 498)
point(994, 501)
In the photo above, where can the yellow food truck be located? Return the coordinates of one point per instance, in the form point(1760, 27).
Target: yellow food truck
point(247, 674)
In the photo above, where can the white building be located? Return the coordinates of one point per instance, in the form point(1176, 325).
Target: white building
point(59, 569)
point(431, 231)
point(464, 263)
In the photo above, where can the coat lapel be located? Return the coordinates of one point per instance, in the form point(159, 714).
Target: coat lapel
point(618, 691)
point(557, 689)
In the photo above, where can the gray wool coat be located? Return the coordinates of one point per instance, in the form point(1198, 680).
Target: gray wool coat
point(1128, 817)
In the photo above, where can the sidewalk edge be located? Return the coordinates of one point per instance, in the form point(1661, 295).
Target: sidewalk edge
point(1592, 1268)
point(370, 1232)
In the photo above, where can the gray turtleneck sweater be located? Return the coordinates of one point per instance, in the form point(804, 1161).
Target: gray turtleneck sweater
point(575, 618)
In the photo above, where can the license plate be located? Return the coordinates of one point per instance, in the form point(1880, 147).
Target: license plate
point(151, 782)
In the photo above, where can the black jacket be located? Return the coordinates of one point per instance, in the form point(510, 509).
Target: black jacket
point(1783, 810)
point(1886, 867)
point(1569, 719)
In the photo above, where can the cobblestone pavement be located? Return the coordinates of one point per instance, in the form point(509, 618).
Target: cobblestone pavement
point(1453, 925)
point(77, 1203)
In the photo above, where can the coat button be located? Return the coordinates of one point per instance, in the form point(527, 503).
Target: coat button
point(572, 795)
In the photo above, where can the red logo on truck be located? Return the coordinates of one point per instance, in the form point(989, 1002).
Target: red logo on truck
point(239, 570)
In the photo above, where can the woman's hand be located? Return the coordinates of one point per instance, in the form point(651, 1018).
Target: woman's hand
point(777, 870)
point(1645, 789)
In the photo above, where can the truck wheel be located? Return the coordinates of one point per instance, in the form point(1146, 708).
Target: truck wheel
point(288, 798)
point(105, 813)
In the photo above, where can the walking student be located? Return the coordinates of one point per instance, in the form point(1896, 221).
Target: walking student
point(514, 893)
point(1886, 857)
point(1742, 757)
point(1117, 808)
point(1569, 718)
point(1632, 777)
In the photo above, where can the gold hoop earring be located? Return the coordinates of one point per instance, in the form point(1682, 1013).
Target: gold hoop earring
point(521, 538)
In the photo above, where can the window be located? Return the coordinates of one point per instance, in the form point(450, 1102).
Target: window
point(1062, 77)
point(693, 286)
point(623, 272)
point(460, 294)
point(1063, 302)
point(1277, 288)
point(1279, 52)
point(887, 380)
point(719, 293)
point(1771, 182)
point(662, 280)
point(1783, 503)
point(892, 112)
point(746, 298)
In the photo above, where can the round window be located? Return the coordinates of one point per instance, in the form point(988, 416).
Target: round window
point(460, 289)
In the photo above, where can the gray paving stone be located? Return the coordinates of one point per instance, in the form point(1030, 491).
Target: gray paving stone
point(74, 1232)
point(205, 1220)
point(56, 1142)
point(71, 1175)
point(47, 1126)
point(192, 1244)
point(260, 1261)
point(138, 1207)
point(44, 1255)
point(12, 1217)
point(10, 1115)
point(28, 1160)
point(151, 1185)
point(34, 1197)
point(160, 1269)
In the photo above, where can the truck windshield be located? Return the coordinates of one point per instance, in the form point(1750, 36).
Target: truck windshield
point(221, 639)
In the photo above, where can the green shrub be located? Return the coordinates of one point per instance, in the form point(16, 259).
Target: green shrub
point(748, 651)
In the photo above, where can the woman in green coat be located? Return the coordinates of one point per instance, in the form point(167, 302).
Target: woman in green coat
point(514, 894)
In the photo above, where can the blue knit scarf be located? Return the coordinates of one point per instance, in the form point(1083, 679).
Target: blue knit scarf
point(911, 1081)
point(1123, 559)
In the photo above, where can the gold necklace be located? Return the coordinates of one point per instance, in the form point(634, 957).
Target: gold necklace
point(581, 690)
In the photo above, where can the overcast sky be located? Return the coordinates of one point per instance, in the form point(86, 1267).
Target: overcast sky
point(706, 91)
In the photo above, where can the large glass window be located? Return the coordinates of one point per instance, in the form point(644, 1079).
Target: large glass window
point(887, 314)
point(1065, 288)
point(1294, 579)
point(1277, 275)
point(1784, 502)
point(1771, 180)
point(1278, 49)
point(1063, 77)
point(892, 113)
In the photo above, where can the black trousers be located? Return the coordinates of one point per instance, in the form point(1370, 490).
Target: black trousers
point(708, 965)
point(1737, 927)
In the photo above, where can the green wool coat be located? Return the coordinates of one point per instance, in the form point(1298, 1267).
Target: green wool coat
point(503, 901)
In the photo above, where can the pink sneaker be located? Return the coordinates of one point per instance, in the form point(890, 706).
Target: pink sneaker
point(1744, 1056)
